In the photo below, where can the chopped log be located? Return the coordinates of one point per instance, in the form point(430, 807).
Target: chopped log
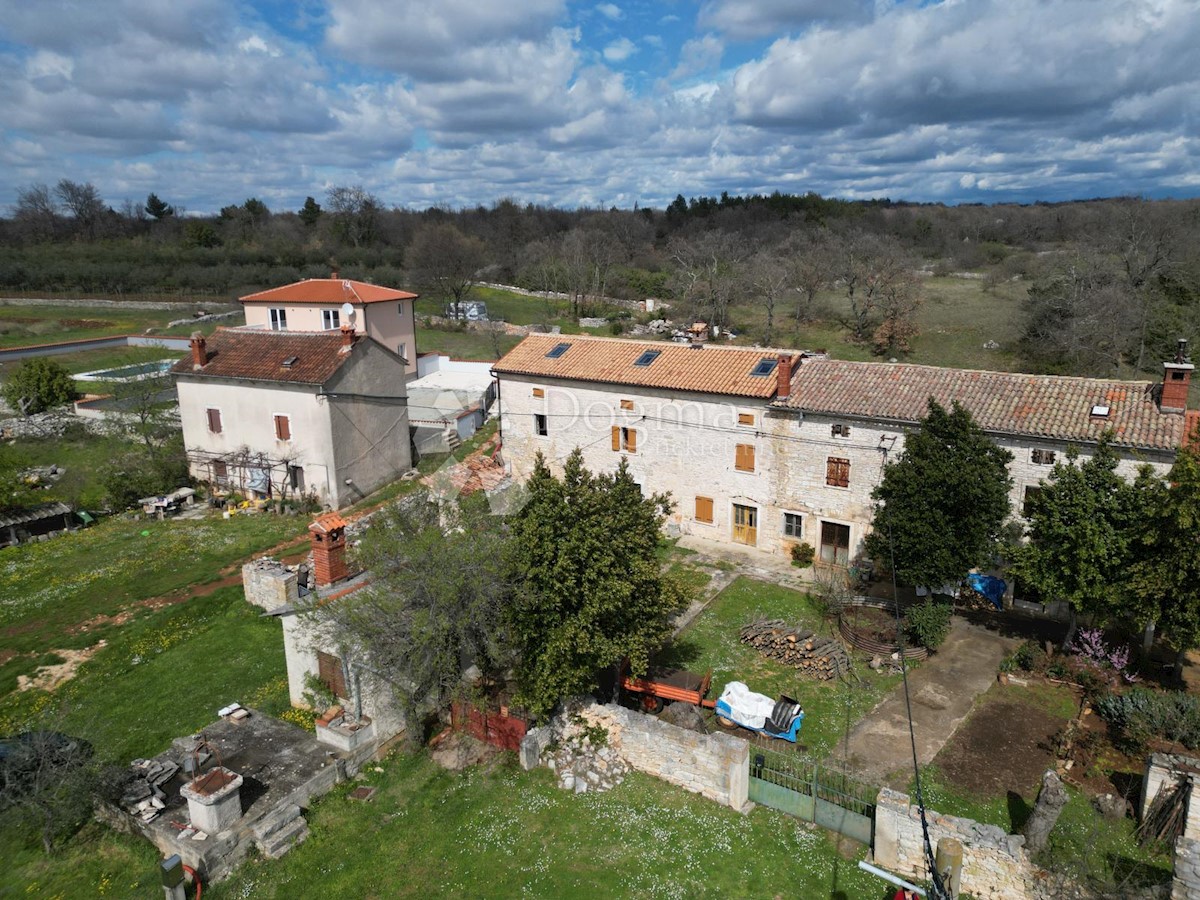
point(820, 657)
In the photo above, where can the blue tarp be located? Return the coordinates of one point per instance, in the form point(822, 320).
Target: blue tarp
point(989, 586)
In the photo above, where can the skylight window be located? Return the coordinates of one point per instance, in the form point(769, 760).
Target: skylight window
point(646, 358)
point(764, 368)
point(1100, 410)
point(559, 350)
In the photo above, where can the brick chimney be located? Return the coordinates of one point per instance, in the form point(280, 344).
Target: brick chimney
point(784, 372)
point(199, 353)
point(347, 337)
point(328, 536)
point(1177, 378)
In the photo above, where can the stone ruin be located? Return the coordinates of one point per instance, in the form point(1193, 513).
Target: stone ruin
point(583, 764)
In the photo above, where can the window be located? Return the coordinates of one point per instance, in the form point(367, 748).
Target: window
point(538, 392)
point(283, 428)
point(743, 457)
point(330, 319)
point(558, 350)
point(402, 351)
point(842, 431)
point(835, 543)
point(214, 420)
point(746, 419)
point(704, 510)
point(764, 368)
point(745, 524)
point(624, 439)
point(646, 358)
point(331, 674)
point(539, 425)
point(837, 472)
point(793, 525)
point(1031, 495)
point(296, 478)
point(1043, 457)
point(220, 471)
point(278, 319)
point(627, 404)
point(1100, 411)
point(400, 309)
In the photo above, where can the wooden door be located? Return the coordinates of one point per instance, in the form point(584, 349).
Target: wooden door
point(745, 524)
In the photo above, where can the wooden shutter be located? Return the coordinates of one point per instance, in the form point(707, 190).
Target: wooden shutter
point(626, 404)
point(616, 437)
point(631, 440)
point(283, 428)
point(538, 392)
point(743, 459)
point(745, 418)
point(214, 421)
point(331, 673)
point(704, 509)
point(837, 472)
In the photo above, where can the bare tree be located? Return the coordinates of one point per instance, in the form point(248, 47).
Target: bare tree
point(355, 213)
point(770, 281)
point(48, 783)
point(36, 212)
point(586, 257)
point(706, 272)
point(900, 300)
point(869, 268)
point(810, 259)
point(448, 261)
point(83, 203)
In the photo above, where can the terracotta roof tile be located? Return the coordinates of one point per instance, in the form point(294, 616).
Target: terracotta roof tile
point(260, 356)
point(329, 290)
point(678, 367)
point(1049, 406)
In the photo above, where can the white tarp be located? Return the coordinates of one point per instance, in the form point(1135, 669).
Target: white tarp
point(748, 708)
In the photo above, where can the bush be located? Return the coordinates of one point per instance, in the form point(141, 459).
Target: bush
point(928, 624)
point(1029, 657)
point(1142, 714)
point(803, 555)
point(38, 385)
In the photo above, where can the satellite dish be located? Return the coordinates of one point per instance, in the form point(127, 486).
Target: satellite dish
point(348, 312)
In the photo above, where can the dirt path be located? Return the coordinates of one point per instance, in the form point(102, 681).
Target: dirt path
point(943, 690)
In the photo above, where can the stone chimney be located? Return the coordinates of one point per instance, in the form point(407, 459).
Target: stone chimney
point(1177, 378)
point(784, 372)
point(347, 337)
point(328, 536)
point(199, 353)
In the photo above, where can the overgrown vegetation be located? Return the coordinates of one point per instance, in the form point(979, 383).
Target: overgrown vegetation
point(37, 385)
point(928, 624)
point(1143, 714)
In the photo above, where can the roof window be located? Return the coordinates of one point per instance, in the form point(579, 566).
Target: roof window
point(559, 350)
point(290, 361)
point(646, 358)
point(1100, 410)
point(765, 367)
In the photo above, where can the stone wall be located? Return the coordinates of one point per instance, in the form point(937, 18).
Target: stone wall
point(269, 584)
point(995, 864)
point(1187, 870)
point(1168, 770)
point(715, 766)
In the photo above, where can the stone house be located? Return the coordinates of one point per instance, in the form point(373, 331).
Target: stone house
point(383, 314)
point(767, 448)
point(282, 413)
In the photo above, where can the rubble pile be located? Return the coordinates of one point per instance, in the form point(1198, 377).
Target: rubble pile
point(583, 764)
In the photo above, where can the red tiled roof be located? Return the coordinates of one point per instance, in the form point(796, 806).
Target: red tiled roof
point(327, 523)
point(679, 367)
point(1049, 406)
point(328, 290)
point(259, 356)
point(1191, 421)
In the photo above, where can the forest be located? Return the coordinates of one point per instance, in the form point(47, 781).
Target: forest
point(1099, 287)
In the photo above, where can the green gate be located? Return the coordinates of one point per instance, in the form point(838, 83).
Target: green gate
point(817, 794)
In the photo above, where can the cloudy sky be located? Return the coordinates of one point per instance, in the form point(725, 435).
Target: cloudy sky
point(461, 102)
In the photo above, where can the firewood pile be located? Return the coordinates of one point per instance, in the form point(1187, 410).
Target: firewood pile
point(820, 657)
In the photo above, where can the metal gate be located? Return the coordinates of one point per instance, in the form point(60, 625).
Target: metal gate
point(810, 792)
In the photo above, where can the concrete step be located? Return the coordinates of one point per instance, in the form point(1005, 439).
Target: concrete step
point(282, 841)
point(276, 822)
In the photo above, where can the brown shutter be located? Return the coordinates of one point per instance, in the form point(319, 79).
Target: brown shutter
point(626, 404)
point(743, 459)
point(331, 673)
point(704, 509)
point(283, 428)
point(214, 421)
point(837, 472)
point(538, 392)
point(616, 437)
point(745, 418)
point(631, 440)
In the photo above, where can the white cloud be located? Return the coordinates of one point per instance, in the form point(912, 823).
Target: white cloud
point(620, 50)
point(702, 54)
point(759, 18)
point(610, 11)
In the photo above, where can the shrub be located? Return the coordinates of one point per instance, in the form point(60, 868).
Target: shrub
point(803, 555)
point(1142, 714)
point(928, 624)
point(1029, 657)
point(38, 385)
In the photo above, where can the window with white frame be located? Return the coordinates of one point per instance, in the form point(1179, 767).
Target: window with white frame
point(331, 319)
point(278, 318)
point(402, 351)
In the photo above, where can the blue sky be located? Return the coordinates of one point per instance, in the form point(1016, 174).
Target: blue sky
point(460, 102)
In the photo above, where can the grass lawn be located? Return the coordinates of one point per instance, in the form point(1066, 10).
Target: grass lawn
point(501, 832)
point(464, 344)
point(830, 707)
point(23, 325)
point(82, 455)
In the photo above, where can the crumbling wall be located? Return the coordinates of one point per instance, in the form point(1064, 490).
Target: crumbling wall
point(1168, 770)
point(269, 584)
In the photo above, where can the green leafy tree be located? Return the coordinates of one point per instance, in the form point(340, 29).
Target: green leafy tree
point(1082, 532)
point(37, 385)
point(158, 209)
point(437, 601)
point(943, 503)
point(591, 591)
point(310, 212)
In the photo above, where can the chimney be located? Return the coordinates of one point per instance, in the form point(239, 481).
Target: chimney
point(347, 338)
point(1177, 378)
point(334, 274)
point(328, 536)
point(784, 372)
point(199, 353)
